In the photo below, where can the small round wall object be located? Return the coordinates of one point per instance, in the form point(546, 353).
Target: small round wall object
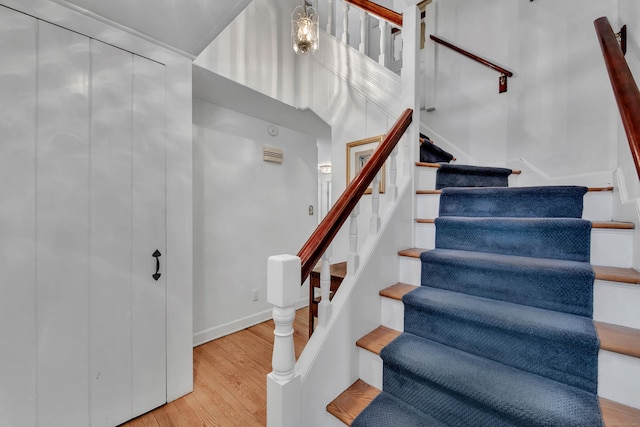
point(273, 130)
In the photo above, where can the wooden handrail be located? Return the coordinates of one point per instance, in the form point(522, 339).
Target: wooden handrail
point(328, 228)
point(504, 73)
point(624, 86)
point(380, 11)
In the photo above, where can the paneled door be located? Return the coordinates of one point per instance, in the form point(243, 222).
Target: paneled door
point(82, 214)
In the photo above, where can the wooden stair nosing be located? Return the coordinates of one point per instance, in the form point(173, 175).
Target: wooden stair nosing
point(377, 339)
point(351, 402)
point(589, 189)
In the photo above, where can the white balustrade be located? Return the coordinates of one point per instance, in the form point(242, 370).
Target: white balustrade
point(383, 42)
point(324, 307)
point(353, 259)
point(331, 13)
point(393, 175)
point(364, 31)
point(345, 22)
point(375, 222)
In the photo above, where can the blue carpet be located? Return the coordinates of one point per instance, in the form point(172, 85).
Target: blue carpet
point(449, 175)
point(558, 238)
point(500, 333)
point(521, 202)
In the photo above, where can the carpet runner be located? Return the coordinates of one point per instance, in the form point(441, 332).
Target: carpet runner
point(500, 333)
point(449, 175)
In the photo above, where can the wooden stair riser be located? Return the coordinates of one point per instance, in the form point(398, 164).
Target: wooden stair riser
point(597, 205)
point(613, 247)
point(618, 375)
point(613, 302)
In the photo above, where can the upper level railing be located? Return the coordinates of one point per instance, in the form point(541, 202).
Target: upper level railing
point(388, 51)
point(624, 86)
point(504, 73)
point(321, 238)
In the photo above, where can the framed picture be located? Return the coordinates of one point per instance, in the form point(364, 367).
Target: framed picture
point(358, 153)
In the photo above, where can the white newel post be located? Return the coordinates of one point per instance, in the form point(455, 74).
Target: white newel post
point(331, 13)
point(410, 75)
point(345, 22)
point(383, 42)
point(324, 307)
point(364, 25)
point(283, 383)
point(353, 259)
point(393, 174)
point(374, 225)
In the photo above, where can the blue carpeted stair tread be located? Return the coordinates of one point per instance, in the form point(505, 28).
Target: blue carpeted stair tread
point(552, 284)
point(454, 175)
point(460, 388)
point(553, 344)
point(560, 238)
point(388, 410)
point(521, 202)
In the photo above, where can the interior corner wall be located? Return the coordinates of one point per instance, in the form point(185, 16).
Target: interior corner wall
point(255, 50)
point(245, 210)
point(558, 101)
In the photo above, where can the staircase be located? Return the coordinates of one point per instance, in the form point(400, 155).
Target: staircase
point(466, 325)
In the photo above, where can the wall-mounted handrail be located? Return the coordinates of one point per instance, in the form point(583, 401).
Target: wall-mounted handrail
point(380, 11)
point(321, 238)
point(504, 73)
point(624, 86)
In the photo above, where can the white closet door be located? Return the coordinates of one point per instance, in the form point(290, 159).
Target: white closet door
point(149, 218)
point(17, 219)
point(62, 221)
point(111, 231)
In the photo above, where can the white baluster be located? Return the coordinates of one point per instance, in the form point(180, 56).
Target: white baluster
point(374, 225)
point(383, 42)
point(393, 174)
point(409, 150)
point(345, 22)
point(324, 308)
point(364, 26)
point(283, 383)
point(331, 13)
point(353, 259)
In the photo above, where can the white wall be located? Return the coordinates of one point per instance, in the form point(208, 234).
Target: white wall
point(255, 50)
point(556, 103)
point(245, 210)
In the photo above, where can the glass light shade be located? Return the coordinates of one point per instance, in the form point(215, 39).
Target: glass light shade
point(304, 29)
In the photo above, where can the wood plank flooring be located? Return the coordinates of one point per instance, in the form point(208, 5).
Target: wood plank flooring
point(230, 385)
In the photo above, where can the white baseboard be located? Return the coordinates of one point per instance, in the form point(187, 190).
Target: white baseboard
point(211, 334)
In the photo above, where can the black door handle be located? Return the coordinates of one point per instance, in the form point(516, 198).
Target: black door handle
point(157, 256)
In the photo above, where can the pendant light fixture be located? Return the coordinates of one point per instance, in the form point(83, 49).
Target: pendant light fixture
point(304, 29)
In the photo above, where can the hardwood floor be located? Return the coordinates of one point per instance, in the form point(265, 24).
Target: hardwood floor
point(229, 380)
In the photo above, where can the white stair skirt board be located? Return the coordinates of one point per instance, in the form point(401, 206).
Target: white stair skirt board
point(616, 303)
point(618, 375)
point(619, 378)
point(597, 205)
point(370, 368)
point(611, 247)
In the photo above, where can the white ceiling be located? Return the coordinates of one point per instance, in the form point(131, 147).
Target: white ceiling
point(185, 25)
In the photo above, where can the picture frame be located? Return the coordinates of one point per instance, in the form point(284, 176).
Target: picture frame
point(358, 153)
